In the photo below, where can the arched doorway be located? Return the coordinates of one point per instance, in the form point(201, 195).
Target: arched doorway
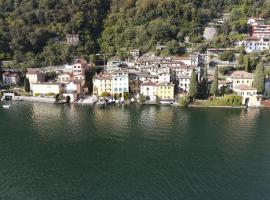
point(246, 101)
point(68, 99)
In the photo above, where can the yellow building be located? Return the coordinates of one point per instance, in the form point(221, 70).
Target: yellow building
point(102, 83)
point(165, 91)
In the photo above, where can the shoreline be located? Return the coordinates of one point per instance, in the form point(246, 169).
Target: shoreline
point(52, 101)
point(203, 106)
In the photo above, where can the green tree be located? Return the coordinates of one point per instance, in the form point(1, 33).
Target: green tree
point(203, 91)
point(193, 89)
point(259, 78)
point(247, 63)
point(214, 85)
point(241, 55)
point(27, 85)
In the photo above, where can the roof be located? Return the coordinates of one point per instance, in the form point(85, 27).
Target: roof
point(103, 77)
point(244, 87)
point(9, 74)
point(47, 83)
point(165, 84)
point(81, 61)
point(33, 70)
point(149, 83)
point(241, 75)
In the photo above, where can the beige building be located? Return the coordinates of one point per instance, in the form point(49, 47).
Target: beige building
point(165, 91)
point(35, 75)
point(241, 78)
point(247, 93)
point(102, 83)
point(46, 88)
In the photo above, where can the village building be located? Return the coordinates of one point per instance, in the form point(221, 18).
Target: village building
point(183, 83)
point(79, 67)
point(102, 83)
point(135, 53)
point(34, 75)
point(254, 44)
point(114, 63)
point(120, 82)
point(46, 88)
point(73, 86)
point(149, 90)
point(10, 78)
point(255, 21)
point(164, 77)
point(67, 77)
point(246, 91)
point(240, 78)
point(72, 39)
point(134, 83)
point(261, 31)
point(165, 91)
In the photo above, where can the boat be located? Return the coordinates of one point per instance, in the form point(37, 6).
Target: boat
point(166, 102)
point(6, 106)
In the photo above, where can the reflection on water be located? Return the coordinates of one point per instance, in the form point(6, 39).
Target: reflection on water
point(133, 152)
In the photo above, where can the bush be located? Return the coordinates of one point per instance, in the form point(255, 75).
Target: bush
point(184, 101)
point(225, 70)
point(37, 94)
point(233, 100)
point(126, 95)
point(227, 56)
point(105, 94)
point(49, 94)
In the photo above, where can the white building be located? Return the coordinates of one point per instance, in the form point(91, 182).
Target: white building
point(46, 88)
point(120, 83)
point(73, 86)
point(135, 53)
point(11, 78)
point(80, 67)
point(253, 44)
point(255, 21)
point(184, 83)
point(164, 77)
point(149, 90)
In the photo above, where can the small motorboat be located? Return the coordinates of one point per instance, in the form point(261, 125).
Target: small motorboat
point(6, 106)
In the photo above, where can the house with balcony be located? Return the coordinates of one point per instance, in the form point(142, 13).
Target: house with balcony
point(120, 82)
point(102, 83)
point(10, 78)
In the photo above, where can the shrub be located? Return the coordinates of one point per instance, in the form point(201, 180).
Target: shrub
point(184, 101)
point(49, 94)
point(37, 94)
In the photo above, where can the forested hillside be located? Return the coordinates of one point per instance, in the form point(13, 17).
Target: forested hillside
point(33, 31)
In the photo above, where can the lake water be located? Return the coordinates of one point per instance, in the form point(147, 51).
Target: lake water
point(149, 152)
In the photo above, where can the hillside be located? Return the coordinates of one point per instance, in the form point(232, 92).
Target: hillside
point(32, 31)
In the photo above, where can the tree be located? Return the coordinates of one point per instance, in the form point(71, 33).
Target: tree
point(27, 85)
point(241, 55)
point(203, 91)
point(227, 55)
point(193, 89)
point(247, 63)
point(259, 78)
point(214, 85)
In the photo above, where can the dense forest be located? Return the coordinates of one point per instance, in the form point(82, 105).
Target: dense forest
point(32, 32)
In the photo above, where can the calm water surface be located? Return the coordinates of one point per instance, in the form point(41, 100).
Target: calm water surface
point(80, 152)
